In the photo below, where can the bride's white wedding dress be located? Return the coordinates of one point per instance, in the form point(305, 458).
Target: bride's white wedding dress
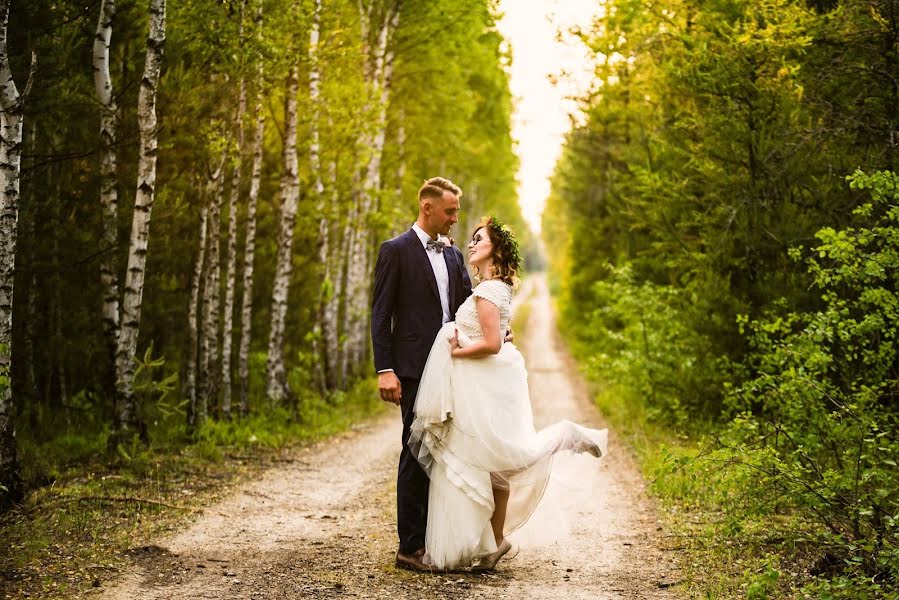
point(474, 429)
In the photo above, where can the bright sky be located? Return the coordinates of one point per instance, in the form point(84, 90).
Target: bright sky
point(542, 111)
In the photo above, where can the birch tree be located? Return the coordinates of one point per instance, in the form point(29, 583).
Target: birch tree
point(209, 334)
point(350, 285)
point(324, 328)
point(276, 375)
point(379, 73)
point(231, 259)
point(193, 410)
point(332, 301)
point(11, 117)
point(108, 175)
point(126, 409)
point(246, 310)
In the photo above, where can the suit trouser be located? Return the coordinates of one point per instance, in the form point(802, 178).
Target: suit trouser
point(411, 482)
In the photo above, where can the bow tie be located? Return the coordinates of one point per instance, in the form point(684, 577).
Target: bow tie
point(435, 245)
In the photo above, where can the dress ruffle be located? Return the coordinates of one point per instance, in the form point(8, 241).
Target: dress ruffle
point(473, 430)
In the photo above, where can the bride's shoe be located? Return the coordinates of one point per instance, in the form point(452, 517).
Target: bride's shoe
point(591, 448)
point(589, 444)
point(488, 563)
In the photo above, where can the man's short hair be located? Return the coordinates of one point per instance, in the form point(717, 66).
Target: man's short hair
point(436, 186)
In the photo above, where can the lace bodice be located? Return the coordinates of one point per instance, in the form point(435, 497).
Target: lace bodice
point(493, 290)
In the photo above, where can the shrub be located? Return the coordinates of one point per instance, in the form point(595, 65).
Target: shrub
point(818, 420)
point(644, 339)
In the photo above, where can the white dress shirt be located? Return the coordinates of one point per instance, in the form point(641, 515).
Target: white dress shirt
point(438, 264)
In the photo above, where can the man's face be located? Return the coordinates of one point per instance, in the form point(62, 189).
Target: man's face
point(444, 213)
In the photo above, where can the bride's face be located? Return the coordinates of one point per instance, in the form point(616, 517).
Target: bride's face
point(480, 250)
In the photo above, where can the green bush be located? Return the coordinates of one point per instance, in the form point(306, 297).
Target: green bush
point(644, 339)
point(818, 420)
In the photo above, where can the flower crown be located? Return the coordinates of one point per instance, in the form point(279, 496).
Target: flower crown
point(507, 240)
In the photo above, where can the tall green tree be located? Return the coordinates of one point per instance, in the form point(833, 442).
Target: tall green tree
point(368, 128)
point(715, 145)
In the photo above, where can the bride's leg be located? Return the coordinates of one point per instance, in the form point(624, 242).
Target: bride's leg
point(501, 502)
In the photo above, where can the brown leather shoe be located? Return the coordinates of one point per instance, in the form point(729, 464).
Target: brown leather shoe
point(412, 562)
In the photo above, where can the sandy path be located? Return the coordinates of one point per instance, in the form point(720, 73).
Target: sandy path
point(323, 525)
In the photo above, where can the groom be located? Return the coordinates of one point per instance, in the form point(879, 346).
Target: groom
point(420, 282)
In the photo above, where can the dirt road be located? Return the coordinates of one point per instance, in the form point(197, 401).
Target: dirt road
point(323, 526)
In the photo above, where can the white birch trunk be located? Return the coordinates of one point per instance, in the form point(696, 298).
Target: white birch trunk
point(231, 264)
point(231, 259)
point(276, 375)
point(355, 227)
point(326, 362)
point(331, 316)
point(11, 109)
point(126, 409)
point(108, 175)
point(349, 235)
point(209, 335)
point(315, 101)
point(192, 328)
point(246, 311)
point(358, 284)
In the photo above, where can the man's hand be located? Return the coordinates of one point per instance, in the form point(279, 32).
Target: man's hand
point(389, 387)
point(509, 336)
point(454, 341)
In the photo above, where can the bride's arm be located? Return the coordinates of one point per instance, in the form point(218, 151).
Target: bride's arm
point(488, 315)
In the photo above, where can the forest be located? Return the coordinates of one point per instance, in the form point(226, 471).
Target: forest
point(191, 200)
point(728, 205)
point(193, 194)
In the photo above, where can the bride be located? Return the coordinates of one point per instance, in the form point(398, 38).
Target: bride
point(473, 431)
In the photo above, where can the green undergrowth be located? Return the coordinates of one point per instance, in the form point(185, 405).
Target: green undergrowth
point(90, 507)
point(715, 563)
point(777, 467)
point(728, 543)
point(722, 550)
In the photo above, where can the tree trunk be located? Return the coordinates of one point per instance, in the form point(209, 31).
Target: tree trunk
point(57, 347)
point(246, 310)
point(349, 234)
point(11, 109)
point(276, 375)
point(126, 408)
point(209, 334)
point(331, 314)
point(231, 260)
point(380, 73)
point(30, 390)
point(193, 410)
point(326, 364)
point(108, 181)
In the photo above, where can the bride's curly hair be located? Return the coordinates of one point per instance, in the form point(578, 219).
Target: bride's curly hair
point(506, 255)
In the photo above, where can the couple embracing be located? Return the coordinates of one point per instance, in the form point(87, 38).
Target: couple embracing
point(472, 467)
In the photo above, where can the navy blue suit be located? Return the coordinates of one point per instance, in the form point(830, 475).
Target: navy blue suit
point(405, 318)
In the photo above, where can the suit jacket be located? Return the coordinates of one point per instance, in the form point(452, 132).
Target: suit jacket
point(406, 313)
